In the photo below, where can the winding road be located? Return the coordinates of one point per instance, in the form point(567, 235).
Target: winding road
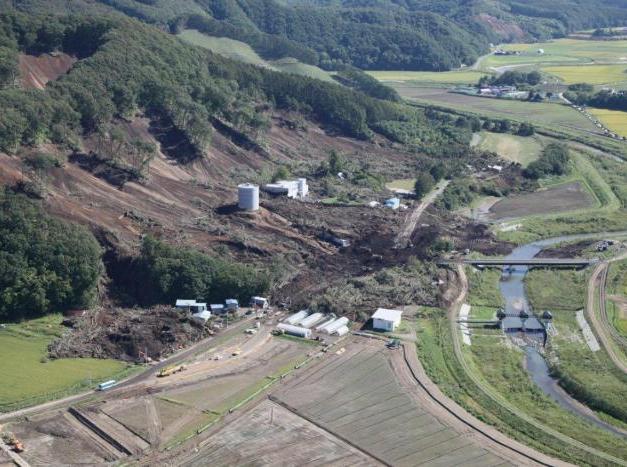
point(498, 398)
point(604, 330)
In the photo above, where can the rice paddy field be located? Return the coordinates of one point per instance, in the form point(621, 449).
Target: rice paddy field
point(615, 120)
point(610, 75)
point(521, 149)
point(28, 377)
point(446, 77)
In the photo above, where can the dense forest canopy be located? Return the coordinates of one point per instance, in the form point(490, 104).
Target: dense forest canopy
point(368, 34)
point(45, 264)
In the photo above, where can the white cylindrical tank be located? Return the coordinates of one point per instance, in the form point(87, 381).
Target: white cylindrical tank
point(248, 197)
point(342, 331)
point(310, 320)
point(303, 189)
point(325, 323)
point(297, 317)
point(294, 330)
point(337, 324)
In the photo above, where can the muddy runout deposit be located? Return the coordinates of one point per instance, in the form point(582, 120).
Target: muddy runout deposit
point(124, 333)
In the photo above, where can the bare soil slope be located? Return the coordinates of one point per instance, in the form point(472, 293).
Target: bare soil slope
point(35, 72)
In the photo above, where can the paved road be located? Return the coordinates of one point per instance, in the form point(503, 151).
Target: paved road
point(146, 375)
point(404, 236)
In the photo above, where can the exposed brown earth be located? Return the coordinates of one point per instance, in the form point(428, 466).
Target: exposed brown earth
point(36, 72)
point(562, 198)
point(506, 30)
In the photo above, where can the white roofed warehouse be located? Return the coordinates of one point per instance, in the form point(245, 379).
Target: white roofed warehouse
point(386, 320)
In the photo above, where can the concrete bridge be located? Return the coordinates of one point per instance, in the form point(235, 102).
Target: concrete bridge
point(533, 262)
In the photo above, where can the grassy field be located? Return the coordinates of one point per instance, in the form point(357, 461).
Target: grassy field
point(483, 287)
point(242, 52)
point(221, 45)
point(613, 119)
point(401, 184)
point(291, 65)
point(556, 289)
point(592, 74)
point(551, 115)
point(561, 51)
point(617, 288)
point(511, 147)
point(445, 77)
point(29, 378)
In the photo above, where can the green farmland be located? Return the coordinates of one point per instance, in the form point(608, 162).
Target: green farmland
point(446, 77)
point(611, 75)
point(28, 377)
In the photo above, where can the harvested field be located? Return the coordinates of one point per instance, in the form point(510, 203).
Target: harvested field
point(357, 396)
point(561, 198)
point(58, 439)
point(272, 435)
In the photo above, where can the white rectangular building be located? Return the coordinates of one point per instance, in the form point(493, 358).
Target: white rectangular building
point(386, 320)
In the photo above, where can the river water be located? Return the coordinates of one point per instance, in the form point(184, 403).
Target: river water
point(512, 288)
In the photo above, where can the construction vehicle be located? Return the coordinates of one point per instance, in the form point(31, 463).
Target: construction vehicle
point(393, 344)
point(14, 443)
point(170, 370)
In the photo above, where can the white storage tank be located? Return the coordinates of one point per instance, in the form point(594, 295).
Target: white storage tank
point(295, 330)
point(342, 331)
point(248, 197)
point(337, 324)
point(309, 321)
point(297, 317)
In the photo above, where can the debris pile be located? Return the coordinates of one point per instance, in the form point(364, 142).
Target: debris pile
point(128, 334)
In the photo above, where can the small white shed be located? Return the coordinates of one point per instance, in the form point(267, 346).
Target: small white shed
point(386, 320)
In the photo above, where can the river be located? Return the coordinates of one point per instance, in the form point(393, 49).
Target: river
point(512, 288)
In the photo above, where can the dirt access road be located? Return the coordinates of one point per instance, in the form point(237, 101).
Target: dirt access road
point(145, 375)
point(600, 323)
point(404, 236)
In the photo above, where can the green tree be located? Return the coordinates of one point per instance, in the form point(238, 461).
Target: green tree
point(424, 184)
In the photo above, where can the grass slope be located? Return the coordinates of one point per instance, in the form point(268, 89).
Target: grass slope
point(28, 377)
point(511, 147)
point(242, 52)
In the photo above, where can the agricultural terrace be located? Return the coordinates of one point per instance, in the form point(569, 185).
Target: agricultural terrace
point(28, 377)
point(357, 396)
point(243, 52)
point(520, 149)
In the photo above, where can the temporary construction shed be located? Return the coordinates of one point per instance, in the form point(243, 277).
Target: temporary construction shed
point(337, 324)
point(310, 320)
point(297, 317)
point(342, 331)
point(295, 330)
point(386, 320)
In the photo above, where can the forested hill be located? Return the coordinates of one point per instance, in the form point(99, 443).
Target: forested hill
point(369, 34)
